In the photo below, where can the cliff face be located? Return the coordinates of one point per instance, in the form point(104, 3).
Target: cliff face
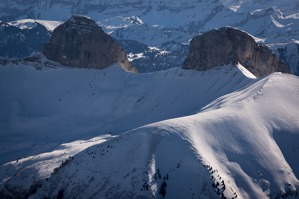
point(80, 42)
point(230, 46)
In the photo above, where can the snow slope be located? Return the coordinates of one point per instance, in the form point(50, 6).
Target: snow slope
point(70, 103)
point(30, 23)
point(206, 133)
point(243, 145)
point(176, 133)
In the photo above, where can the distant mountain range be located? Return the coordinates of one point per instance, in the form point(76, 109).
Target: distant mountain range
point(155, 32)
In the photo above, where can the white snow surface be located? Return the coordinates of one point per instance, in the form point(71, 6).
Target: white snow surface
point(124, 135)
point(80, 102)
point(31, 23)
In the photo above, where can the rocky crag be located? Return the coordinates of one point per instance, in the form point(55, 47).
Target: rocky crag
point(231, 46)
point(80, 42)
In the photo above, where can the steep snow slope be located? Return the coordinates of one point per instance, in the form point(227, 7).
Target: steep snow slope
point(219, 132)
point(57, 105)
point(22, 176)
point(242, 145)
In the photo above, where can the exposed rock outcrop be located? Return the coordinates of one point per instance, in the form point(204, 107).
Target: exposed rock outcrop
point(229, 46)
point(80, 42)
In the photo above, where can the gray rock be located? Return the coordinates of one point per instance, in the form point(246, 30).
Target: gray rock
point(229, 46)
point(80, 42)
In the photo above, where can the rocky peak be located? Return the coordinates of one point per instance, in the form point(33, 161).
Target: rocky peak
point(83, 22)
point(229, 46)
point(80, 42)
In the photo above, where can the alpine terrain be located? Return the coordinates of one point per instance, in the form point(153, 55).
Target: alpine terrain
point(149, 99)
point(153, 31)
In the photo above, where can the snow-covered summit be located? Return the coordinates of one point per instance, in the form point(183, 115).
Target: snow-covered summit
point(31, 23)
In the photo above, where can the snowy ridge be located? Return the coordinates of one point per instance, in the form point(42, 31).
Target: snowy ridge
point(207, 134)
point(225, 147)
point(86, 133)
point(30, 23)
point(101, 99)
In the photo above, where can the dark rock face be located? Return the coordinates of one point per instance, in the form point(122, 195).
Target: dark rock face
point(80, 42)
point(230, 46)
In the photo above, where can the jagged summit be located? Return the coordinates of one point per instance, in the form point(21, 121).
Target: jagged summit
point(228, 45)
point(80, 42)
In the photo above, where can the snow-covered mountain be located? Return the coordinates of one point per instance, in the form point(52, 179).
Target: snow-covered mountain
point(234, 148)
point(218, 132)
point(88, 133)
point(79, 102)
point(158, 31)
